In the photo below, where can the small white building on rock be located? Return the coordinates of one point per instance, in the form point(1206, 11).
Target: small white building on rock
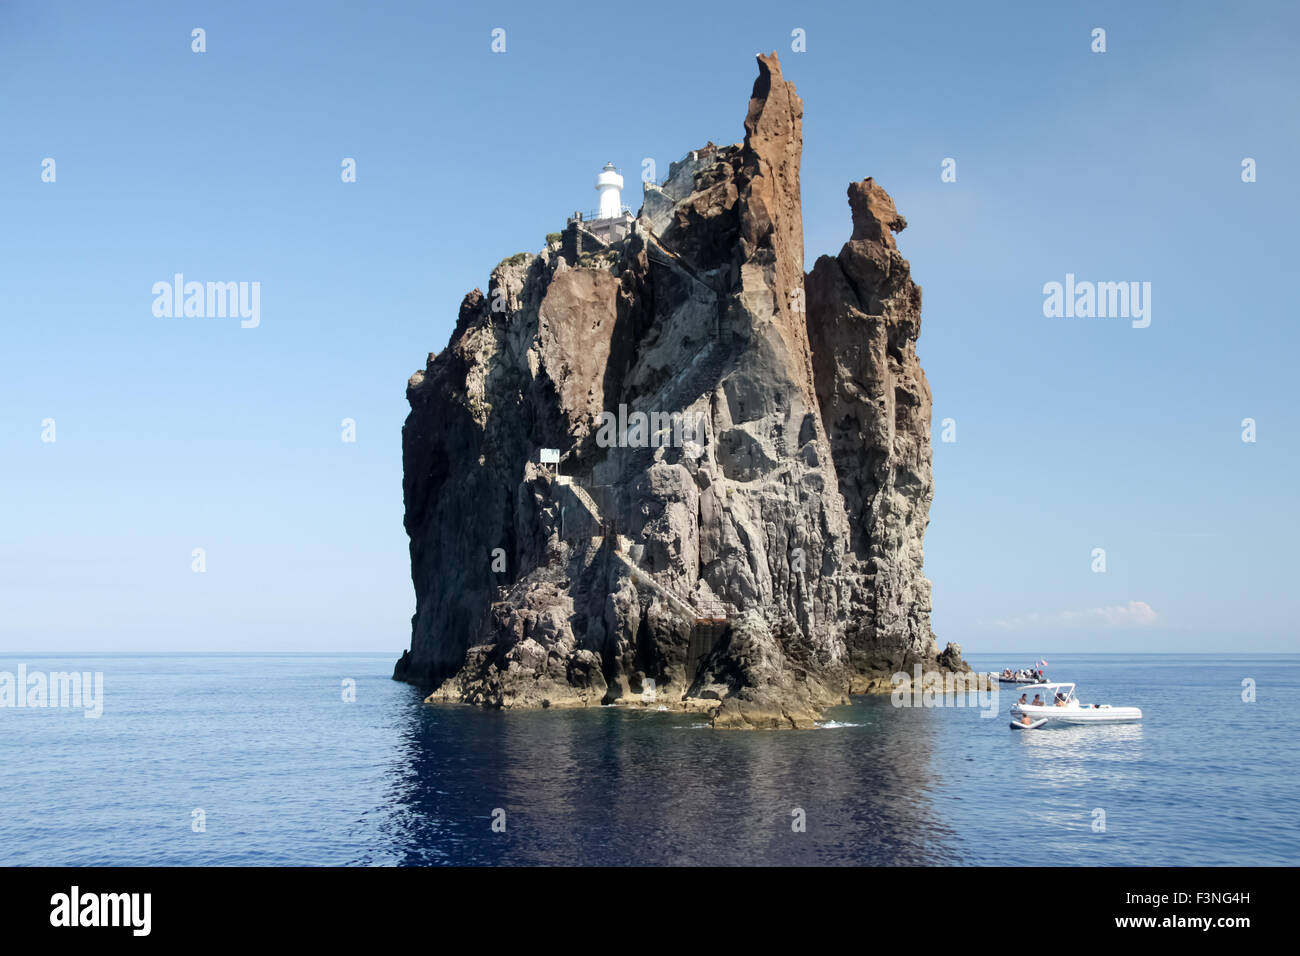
point(610, 222)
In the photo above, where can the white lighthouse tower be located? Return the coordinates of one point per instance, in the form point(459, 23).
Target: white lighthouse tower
point(610, 186)
point(609, 223)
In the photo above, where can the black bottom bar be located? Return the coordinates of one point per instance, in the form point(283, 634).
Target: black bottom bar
point(421, 906)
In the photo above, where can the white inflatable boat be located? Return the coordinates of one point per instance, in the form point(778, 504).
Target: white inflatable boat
point(1056, 704)
point(1032, 725)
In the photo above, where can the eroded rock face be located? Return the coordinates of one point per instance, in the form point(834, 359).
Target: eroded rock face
point(758, 569)
point(864, 316)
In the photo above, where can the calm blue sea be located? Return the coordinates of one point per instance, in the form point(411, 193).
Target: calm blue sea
point(287, 772)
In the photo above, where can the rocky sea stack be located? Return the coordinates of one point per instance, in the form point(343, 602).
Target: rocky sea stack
point(735, 525)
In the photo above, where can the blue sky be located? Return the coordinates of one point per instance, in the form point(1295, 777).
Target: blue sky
point(1072, 434)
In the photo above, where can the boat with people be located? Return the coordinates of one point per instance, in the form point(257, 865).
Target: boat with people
point(1056, 703)
point(1026, 675)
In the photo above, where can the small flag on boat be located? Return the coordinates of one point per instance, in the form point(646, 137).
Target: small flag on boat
point(1042, 663)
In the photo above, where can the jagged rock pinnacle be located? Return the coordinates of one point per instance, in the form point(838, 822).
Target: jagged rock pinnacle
point(745, 480)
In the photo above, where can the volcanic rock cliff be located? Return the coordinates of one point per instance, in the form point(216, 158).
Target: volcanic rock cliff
point(758, 564)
